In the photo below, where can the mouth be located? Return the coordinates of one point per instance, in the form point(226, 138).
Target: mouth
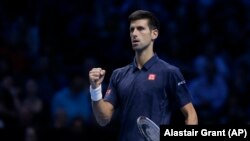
point(134, 42)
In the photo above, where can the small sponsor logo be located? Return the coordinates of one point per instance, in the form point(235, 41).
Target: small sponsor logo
point(151, 77)
point(108, 92)
point(182, 82)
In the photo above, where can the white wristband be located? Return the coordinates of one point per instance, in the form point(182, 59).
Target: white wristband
point(96, 94)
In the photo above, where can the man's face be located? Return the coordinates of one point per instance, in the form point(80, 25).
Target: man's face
point(141, 35)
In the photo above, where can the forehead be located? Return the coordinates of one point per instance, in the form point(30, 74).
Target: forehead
point(140, 22)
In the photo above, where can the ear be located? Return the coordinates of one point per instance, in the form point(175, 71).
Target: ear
point(155, 33)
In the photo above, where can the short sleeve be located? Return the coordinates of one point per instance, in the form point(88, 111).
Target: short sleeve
point(111, 92)
point(178, 88)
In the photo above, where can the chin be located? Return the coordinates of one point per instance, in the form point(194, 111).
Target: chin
point(138, 48)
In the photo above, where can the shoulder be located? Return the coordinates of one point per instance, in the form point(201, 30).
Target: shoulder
point(122, 69)
point(121, 72)
point(167, 67)
point(170, 71)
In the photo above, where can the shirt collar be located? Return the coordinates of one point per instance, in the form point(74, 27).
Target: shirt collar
point(147, 65)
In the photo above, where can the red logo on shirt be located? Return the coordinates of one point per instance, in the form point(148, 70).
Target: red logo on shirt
point(151, 77)
point(108, 92)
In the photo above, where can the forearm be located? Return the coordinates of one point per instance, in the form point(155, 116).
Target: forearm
point(191, 119)
point(103, 112)
point(190, 114)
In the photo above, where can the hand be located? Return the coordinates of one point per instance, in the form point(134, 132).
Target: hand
point(96, 76)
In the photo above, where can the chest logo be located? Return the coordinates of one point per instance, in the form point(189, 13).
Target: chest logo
point(151, 76)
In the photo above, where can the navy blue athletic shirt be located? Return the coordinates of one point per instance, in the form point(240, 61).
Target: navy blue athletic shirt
point(153, 91)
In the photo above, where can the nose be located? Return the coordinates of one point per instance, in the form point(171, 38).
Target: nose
point(133, 33)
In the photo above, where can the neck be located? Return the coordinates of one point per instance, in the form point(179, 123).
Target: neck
point(143, 56)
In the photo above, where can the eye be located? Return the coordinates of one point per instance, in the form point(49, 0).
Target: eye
point(132, 29)
point(140, 28)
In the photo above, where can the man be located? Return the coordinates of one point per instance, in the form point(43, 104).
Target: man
point(147, 87)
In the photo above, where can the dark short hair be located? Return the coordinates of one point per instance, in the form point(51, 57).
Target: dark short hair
point(143, 14)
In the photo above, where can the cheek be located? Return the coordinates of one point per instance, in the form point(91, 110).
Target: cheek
point(149, 38)
point(152, 36)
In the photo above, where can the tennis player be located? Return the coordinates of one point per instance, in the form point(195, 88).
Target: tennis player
point(147, 87)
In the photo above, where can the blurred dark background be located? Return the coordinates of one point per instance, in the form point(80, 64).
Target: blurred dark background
point(47, 48)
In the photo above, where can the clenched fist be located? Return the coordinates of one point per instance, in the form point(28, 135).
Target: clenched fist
point(96, 76)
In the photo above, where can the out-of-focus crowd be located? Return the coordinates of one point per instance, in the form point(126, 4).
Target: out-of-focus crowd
point(48, 47)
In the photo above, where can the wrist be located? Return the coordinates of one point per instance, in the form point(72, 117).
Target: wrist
point(93, 86)
point(96, 93)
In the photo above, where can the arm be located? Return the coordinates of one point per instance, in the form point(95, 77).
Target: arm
point(103, 110)
point(190, 114)
point(182, 96)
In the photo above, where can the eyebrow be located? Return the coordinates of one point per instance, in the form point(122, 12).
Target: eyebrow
point(137, 27)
